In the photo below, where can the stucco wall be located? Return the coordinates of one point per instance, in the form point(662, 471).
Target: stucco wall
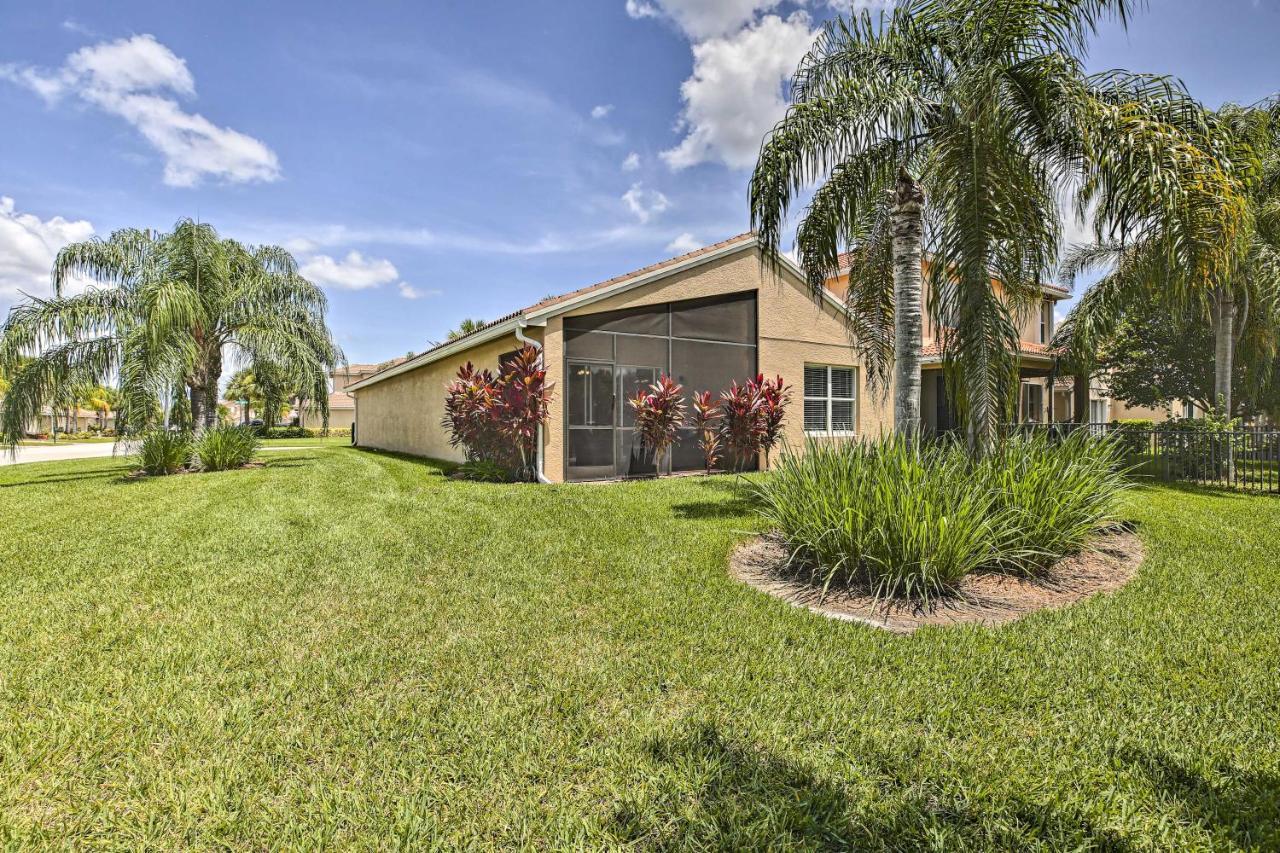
point(338, 419)
point(403, 413)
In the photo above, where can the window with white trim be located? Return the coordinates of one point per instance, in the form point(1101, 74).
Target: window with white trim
point(830, 399)
point(1046, 321)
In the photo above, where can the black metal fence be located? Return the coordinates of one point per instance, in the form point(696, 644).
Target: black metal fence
point(1188, 451)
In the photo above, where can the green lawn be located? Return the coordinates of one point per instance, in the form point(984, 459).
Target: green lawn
point(345, 648)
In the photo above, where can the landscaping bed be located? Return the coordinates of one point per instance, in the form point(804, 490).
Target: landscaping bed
point(982, 597)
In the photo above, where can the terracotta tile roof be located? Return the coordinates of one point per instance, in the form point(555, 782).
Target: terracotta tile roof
point(341, 400)
point(934, 350)
point(843, 260)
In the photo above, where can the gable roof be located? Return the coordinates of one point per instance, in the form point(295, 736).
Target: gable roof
point(1052, 290)
point(538, 313)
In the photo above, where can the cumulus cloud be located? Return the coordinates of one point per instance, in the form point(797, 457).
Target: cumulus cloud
point(683, 244)
point(354, 272)
point(644, 204)
point(735, 94)
point(135, 79)
point(632, 163)
point(701, 19)
point(28, 245)
point(601, 111)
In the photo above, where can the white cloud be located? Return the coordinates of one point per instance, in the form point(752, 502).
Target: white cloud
point(601, 111)
point(735, 94)
point(701, 19)
point(28, 245)
point(644, 204)
point(354, 272)
point(632, 163)
point(408, 291)
point(133, 79)
point(683, 244)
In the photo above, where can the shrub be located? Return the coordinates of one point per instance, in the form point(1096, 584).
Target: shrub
point(483, 471)
point(164, 452)
point(283, 432)
point(1133, 436)
point(659, 415)
point(1197, 449)
point(225, 447)
point(751, 418)
point(912, 518)
point(495, 418)
point(900, 517)
point(1050, 497)
point(706, 428)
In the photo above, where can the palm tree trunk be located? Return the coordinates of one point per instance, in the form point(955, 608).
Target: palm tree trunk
point(1224, 334)
point(908, 259)
point(197, 405)
point(1080, 397)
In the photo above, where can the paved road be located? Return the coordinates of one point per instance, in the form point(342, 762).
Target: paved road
point(93, 450)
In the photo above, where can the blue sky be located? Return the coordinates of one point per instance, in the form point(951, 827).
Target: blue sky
point(427, 161)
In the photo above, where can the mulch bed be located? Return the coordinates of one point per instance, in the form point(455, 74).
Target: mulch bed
point(984, 598)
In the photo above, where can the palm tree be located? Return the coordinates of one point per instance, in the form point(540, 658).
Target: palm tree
point(1190, 250)
point(165, 310)
point(954, 123)
point(466, 327)
point(243, 386)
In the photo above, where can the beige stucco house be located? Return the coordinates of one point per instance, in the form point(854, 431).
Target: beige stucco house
point(707, 318)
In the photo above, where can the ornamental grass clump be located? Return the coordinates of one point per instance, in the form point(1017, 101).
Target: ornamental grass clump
point(898, 517)
point(225, 447)
point(909, 517)
point(1050, 497)
point(163, 452)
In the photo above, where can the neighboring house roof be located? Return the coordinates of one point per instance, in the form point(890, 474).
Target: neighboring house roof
point(537, 313)
point(341, 400)
point(1052, 290)
point(933, 351)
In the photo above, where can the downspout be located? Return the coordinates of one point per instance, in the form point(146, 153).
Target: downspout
point(520, 336)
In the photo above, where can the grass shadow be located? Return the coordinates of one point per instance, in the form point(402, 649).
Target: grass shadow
point(712, 791)
point(1242, 806)
point(444, 466)
point(733, 508)
point(50, 479)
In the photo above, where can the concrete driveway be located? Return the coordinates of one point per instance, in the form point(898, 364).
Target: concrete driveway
point(73, 450)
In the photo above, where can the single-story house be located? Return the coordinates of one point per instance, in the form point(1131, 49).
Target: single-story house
point(707, 318)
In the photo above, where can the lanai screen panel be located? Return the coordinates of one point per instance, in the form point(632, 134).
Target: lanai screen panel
point(704, 344)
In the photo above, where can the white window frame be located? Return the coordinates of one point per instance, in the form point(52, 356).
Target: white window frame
point(828, 399)
point(1046, 321)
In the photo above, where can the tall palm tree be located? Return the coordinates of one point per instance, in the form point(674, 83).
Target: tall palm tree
point(958, 120)
point(164, 311)
point(1218, 253)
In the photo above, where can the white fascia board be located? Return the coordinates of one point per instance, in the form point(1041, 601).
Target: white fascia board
point(541, 315)
point(506, 327)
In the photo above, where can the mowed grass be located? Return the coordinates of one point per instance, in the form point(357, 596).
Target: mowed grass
point(345, 648)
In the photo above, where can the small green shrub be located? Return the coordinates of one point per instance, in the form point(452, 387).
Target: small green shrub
point(285, 432)
point(163, 452)
point(225, 447)
point(483, 471)
point(1133, 435)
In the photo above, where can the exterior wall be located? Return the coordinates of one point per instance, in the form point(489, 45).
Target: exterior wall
point(338, 419)
point(792, 330)
point(403, 413)
point(1028, 322)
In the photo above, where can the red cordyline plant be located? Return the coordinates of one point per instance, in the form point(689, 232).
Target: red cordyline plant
point(659, 415)
point(751, 418)
point(774, 397)
point(706, 427)
point(495, 418)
